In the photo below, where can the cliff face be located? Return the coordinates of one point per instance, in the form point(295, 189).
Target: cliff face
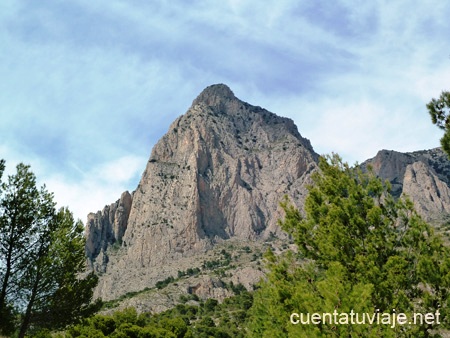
point(424, 176)
point(217, 177)
point(219, 173)
point(106, 228)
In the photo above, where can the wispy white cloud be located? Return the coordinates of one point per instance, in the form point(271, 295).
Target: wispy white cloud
point(88, 191)
point(101, 185)
point(120, 170)
point(86, 87)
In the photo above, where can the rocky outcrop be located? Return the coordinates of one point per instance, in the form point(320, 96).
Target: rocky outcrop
point(209, 287)
point(248, 277)
point(106, 228)
point(424, 176)
point(430, 194)
point(219, 173)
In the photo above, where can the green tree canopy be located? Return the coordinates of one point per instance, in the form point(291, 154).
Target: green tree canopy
point(439, 110)
point(23, 210)
point(42, 259)
point(358, 249)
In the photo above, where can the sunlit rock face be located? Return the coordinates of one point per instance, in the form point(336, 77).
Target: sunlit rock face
point(423, 176)
point(218, 173)
point(105, 228)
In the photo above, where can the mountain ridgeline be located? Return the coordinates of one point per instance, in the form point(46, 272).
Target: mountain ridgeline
point(219, 173)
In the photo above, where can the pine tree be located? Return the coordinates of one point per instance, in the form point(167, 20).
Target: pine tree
point(358, 249)
point(439, 110)
point(42, 259)
point(56, 294)
point(23, 208)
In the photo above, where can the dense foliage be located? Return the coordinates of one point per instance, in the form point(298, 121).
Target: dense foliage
point(205, 319)
point(358, 250)
point(41, 258)
point(439, 110)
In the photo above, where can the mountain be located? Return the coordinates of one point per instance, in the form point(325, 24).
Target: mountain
point(217, 176)
point(424, 176)
point(207, 204)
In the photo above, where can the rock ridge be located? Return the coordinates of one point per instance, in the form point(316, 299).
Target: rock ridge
point(217, 176)
point(105, 228)
point(218, 173)
point(424, 176)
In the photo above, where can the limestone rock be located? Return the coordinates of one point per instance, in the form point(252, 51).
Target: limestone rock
point(248, 277)
point(218, 173)
point(430, 195)
point(210, 287)
point(391, 166)
point(422, 175)
point(105, 228)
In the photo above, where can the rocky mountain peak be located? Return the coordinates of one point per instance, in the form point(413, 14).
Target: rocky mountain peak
point(214, 95)
point(217, 177)
point(219, 173)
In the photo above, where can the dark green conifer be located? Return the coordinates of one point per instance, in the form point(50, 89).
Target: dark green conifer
point(42, 258)
point(439, 110)
point(359, 250)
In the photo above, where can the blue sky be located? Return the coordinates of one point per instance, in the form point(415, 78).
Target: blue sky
point(88, 87)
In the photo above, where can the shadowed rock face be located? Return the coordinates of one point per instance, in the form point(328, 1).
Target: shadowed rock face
point(424, 176)
point(219, 173)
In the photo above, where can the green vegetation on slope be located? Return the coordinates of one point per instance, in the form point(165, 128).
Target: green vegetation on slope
point(208, 319)
point(358, 250)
